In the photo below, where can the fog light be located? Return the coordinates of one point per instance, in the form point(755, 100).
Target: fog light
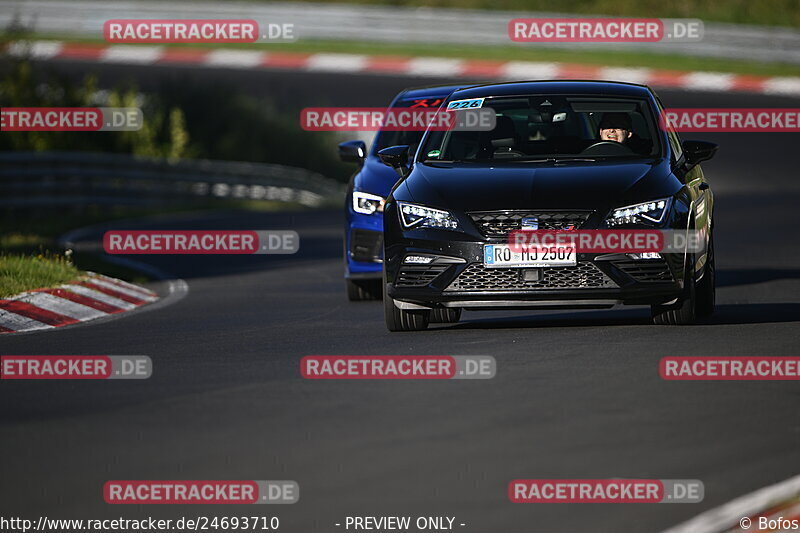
point(645, 255)
point(418, 259)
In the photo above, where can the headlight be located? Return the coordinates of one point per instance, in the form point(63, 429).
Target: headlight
point(417, 216)
point(645, 212)
point(366, 203)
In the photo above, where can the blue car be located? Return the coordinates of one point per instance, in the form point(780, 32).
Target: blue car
point(368, 188)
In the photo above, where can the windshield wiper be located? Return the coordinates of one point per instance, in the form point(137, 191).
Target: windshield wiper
point(512, 160)
point(554, 160)
point(456, 160)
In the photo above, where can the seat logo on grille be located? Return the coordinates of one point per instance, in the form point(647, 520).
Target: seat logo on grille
point(530, 222)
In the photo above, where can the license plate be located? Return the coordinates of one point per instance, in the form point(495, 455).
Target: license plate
point(501, 255)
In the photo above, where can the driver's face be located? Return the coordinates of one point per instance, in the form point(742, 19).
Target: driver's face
point(615, 134)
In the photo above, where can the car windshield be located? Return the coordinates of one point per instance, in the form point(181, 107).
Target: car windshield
point(394, 138)
point(409, 137)
point(551, 127)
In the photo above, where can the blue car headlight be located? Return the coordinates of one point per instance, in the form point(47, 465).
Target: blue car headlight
point(647, 212)
point(419, 216)
point(367, 204)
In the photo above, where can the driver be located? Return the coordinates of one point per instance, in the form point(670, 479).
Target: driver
point(616, 127)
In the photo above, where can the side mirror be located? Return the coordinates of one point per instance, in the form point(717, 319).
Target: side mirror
point(396, 157)
point(698, 151)
point(353, 151)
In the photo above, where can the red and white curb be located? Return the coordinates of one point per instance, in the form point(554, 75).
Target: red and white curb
point(399, 65)
point(90, 297)
point(776, 502)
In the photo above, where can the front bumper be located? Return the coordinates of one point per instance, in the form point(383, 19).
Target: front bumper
point(363, 246)
point(458, 278)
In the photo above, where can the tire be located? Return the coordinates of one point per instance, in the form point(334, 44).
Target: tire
point(402, 320)
point(683, 312)
point(706, 287)
point(445, 315)
point(358, 291)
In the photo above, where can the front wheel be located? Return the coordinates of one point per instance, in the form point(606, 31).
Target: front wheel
point(684, 311)
point(368, 289)
point(706, 287)
point(400, 319)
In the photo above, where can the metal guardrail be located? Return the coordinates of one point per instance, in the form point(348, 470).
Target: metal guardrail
point(85, 18)
point(76, 179)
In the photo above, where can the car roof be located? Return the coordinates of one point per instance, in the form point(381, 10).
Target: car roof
point(587, 87)
point(433, 91)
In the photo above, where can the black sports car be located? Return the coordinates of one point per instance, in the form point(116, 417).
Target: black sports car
point(563, 155)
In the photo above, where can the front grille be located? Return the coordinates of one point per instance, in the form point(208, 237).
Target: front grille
point(366, 245)
point(649, 270)
point(418, 275)
point(477, 277)
point(501, 223)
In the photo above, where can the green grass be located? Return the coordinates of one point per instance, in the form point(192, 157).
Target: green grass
point(30, 258)
point(516, 52)
point(533, 53)
point(755, 12)
point(20, 273)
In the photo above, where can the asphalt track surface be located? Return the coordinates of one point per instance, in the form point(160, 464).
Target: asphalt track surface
point(577, 394)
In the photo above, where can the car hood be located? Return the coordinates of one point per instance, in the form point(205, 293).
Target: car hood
point(565, 186)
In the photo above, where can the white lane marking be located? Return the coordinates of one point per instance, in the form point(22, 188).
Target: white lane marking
point(708, 81)
point(434, 66)
point(116, 281)
point(121, 290)
point(62, 306)
point(132, 54)
point(791, 511)
point(17, 322)
point(780, 85)
point(97, 295)
point(728, 515)
point(530, 70)
point(235, 58)
point(337, 62)
point(421, 66)
point(629, 75)
point(36, 49)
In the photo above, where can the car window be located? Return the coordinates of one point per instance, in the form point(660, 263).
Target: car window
point(412, 138)
point(545, 126)
point(394, 138)
point(673, 137)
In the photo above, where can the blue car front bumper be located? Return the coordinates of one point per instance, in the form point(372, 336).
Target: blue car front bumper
point(364, 246)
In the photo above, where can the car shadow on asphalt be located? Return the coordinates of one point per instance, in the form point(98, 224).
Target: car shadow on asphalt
point(725, 314)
